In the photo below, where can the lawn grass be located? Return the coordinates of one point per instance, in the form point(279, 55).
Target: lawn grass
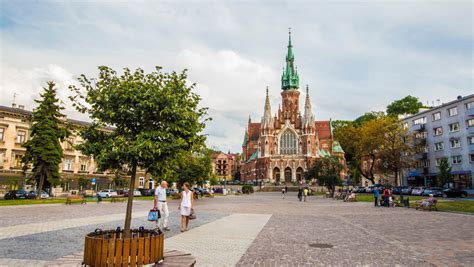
point(443, 204)
point(15, 202)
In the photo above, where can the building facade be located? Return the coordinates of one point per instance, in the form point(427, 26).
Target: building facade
point(443, 131)
point(281, 147)
point(225, 166)
point(15, 123)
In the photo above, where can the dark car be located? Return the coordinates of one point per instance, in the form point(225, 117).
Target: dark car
point(146, 192)
point(396, 190)
point(16, 194)
point(435, 191)
point(453, 192)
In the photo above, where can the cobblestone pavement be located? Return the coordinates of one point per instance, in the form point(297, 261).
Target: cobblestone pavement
point(359, 233)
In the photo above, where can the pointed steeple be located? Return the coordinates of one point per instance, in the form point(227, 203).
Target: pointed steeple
point(308, 118)
point(290, 78)
point(267, 120)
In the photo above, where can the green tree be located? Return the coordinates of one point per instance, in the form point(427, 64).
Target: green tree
point(406, 105)
point(327, 171)
point(369, 116)
point(396, 148)
point(139, 121)
point(48, 130)
point(444, 176)
point(83, 182)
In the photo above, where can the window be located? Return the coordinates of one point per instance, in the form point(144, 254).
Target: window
point(20, 137)
point(469, 105)
point(423, 163)
point(469, 123)
point(471, 157)
point(16, 160)
point(437, 116)
point(452, 111)
point(2, 158)
point(404, 126)
point(438, 131)
point(141, 182)
point(456, 159)
point(454, 127)
point(421, 135)
point(455, 143)
point(69, 143)
point(83, 166)
point(422, 149)
point(439, 146)
point(288, 143)
point(2, 133)
point(67, 164)
point(438, 161)
point(470, 140)
point(419, 121)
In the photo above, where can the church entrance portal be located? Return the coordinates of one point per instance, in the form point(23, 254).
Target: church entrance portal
point(288, 175)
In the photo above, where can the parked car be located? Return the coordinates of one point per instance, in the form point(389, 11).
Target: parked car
point(146, 192)
point(406, 190)
point(417, 191)
point(436, 191)
point(369, 189)
point(453, 192)
point(33, 194)
point(107, 193)
point(171, 191)
point(362, 189)
point(396, 190)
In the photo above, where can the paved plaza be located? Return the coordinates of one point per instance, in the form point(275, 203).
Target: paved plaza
point(256, 230)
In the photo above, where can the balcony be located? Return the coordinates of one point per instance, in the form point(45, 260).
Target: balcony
point(470, 112)
point(419, 127)
point(470, 129)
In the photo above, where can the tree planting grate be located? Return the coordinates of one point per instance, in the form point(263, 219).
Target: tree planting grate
point(320, 245)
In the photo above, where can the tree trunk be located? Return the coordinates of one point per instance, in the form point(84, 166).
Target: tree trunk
point(128, 215)
point(40, 186)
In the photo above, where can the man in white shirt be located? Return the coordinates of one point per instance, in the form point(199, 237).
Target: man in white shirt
point(161, 204)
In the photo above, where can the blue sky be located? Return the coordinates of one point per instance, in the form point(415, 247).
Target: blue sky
point(355, 56)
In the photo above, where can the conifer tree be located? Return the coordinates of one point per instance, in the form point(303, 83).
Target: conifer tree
point(43, 149)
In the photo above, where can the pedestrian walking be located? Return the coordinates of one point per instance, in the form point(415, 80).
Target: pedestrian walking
point(186, 206)
point(385, 196)
point(305, 193)
point(376, 197)
point(161, 204)
point(286, 189)
point(283, 192)
point(300, 193)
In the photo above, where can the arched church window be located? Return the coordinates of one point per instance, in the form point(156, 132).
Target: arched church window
point(288, 143)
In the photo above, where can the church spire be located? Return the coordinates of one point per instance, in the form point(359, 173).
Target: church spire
point(290, 78)
point(308, 118)
point(267, 119)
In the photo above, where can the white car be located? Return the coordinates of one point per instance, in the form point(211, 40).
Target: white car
point(137, 193)
point(107, 193)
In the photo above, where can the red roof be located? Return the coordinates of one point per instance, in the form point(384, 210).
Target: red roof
point(323, 128)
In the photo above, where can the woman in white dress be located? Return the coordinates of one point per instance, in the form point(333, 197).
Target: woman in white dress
point(186, 204)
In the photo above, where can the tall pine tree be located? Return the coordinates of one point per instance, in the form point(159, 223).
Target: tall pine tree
point(48, 130)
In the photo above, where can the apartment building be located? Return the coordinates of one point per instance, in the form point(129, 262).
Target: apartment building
point(443, 131)
point(15, 123)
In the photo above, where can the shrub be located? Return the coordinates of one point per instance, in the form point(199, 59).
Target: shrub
point(247, 189)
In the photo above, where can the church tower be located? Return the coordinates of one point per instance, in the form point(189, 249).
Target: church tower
point(290, 83)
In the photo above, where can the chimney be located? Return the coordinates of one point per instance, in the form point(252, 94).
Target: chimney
point(21, 106)
point(13, 105)
point(459, 97)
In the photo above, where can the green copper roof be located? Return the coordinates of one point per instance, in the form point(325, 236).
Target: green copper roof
point(254, 156)
point(336, 147)
point(290, 78)
point(245, 139)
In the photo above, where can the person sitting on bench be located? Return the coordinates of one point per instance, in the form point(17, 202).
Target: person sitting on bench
point(427, 202)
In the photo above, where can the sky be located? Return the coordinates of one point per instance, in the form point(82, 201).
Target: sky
point(355, 56)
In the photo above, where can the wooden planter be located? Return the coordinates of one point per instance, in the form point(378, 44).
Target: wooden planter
point(109, 248)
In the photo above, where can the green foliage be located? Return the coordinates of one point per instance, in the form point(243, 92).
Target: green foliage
point(247, 189)
point(83, 182)
point(336, 124)
point(214, 180)
point(139, 120)
point(444, 176)
point(406, 105)
point(327, 171)
point(369, 116)
point(193, 167)
point(43, 149)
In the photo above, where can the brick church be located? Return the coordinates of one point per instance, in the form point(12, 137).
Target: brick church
point(281, 147)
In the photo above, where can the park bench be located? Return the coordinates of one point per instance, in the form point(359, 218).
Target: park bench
point(429, 207)
point(75, 198)
point(117, 199)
